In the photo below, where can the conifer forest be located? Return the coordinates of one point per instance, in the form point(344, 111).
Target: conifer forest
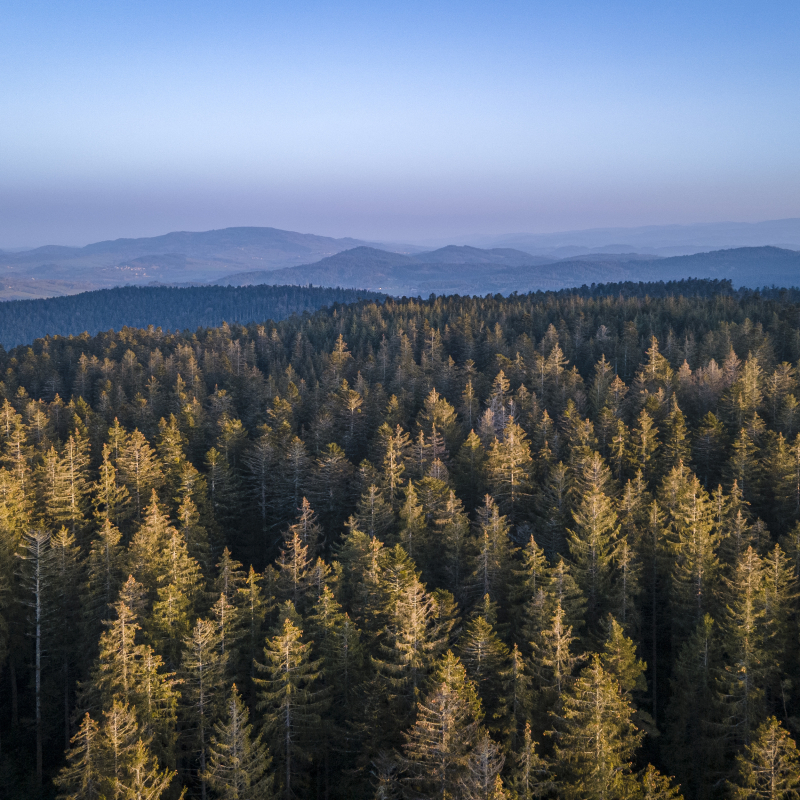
point(537, 546)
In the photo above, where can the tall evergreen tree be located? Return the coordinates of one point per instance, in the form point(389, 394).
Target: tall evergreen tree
point(596, 737)
point(291, 702)
point(238, 761)
point(593, 537)
point(769, 767)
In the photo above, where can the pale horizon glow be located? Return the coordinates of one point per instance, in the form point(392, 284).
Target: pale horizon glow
point(427, 121)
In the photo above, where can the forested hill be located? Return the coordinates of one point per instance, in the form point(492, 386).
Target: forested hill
point(543, 546)
point(22, 321)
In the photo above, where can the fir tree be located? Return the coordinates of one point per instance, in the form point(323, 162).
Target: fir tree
point(508, 468)
point(694, 749)
point(291, 702)
point(82, 778)
point(592, 538)
point(769, 767)
point(596, 737)
point(238, 761)
point(139, 470)
point(531, 776)
point(202, 675)
point(438, 746)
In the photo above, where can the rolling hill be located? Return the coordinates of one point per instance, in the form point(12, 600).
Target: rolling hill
point(180, 257)
point(453, 270)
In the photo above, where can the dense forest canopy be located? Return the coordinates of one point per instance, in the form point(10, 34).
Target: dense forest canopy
point(536, 546)
point(168, 307)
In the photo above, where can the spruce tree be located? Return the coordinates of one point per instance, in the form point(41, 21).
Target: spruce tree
point(485, 657)
point(374, 515)
point(139, 470)
point(493, 552)
point(508, 468)
point(82, 777)
point(593, 537)
point(177, 596)
point(411, 641)
point(437, 748)
point(596, 737)
point(745, 672)
point(202, 675)
point(694, 741)
point(769, 767)
point(238, 761)
point(291, 702)
point(693, 539)
point(531, 776)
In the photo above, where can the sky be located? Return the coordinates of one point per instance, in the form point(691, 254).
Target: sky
point(406, 122)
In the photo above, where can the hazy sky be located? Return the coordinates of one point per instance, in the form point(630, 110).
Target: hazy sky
point(397, 121)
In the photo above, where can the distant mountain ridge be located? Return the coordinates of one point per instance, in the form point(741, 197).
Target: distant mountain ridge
point(663, 240)
point(179, 257)
point(249, 255)
point(438, 273)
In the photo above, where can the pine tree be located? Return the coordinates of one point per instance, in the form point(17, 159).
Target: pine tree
point(238, 761)
point(769, 767)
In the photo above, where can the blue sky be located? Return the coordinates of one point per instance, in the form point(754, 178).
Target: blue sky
point(407, 122)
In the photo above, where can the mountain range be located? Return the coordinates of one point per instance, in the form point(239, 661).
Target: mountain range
point(246, 256)
point(506, 271)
